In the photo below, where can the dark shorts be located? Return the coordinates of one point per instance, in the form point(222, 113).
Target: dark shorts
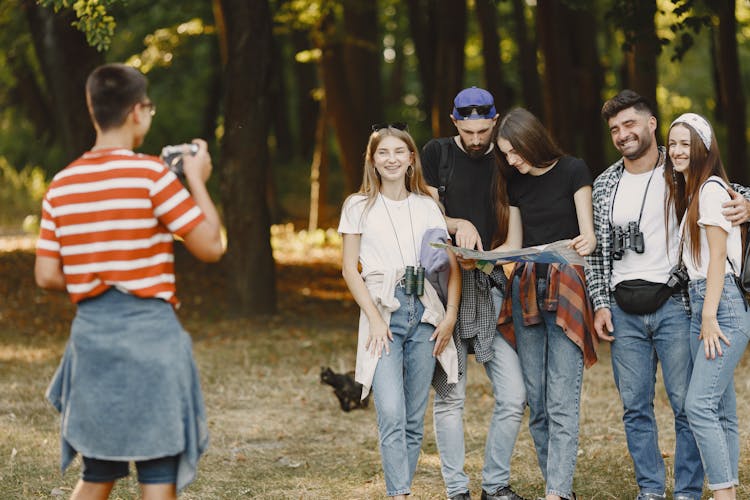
point(156, 471)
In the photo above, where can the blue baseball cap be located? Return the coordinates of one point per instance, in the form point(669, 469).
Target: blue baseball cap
point(474, 104)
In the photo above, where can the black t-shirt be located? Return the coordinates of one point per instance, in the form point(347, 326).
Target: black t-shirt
point(469, 189)
point(548, 212)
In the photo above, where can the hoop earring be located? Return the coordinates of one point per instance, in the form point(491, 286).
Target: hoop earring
point(409, 170)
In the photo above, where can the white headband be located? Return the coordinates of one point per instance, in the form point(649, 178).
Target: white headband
point(699, 124)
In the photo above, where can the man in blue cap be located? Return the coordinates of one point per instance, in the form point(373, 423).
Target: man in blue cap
point(460, 171)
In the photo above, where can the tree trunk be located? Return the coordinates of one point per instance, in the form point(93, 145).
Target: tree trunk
point(449, 63)
point(350, 66)
point(486, 11)
point(527, 56)
point(395, 88)
point(424, 34)
point(732, 92)
point(553, 28)
point(589, 80)
point(644, 51)
point(282, 132)
point(244, 156)
point(66, 61)
point(307, 106)
point(319, 171)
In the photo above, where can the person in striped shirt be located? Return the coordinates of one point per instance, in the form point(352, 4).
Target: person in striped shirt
point(127, 387)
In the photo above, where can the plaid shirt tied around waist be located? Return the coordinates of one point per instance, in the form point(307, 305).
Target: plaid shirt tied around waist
point(566, 295)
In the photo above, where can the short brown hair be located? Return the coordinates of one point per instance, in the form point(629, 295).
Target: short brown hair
point(624, 100)
point(111, 91)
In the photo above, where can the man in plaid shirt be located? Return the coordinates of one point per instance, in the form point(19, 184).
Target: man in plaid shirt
point(631, 194)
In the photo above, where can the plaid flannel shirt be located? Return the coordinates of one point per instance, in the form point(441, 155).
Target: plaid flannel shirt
point(599, 270)
point(476, 322)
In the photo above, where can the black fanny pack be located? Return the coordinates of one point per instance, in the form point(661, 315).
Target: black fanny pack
point(641, 296)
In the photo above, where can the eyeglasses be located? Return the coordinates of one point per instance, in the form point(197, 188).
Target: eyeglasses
point(397, 125)
point(482, 110)
point(150, 106)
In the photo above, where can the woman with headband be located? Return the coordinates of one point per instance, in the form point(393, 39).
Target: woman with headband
point(711, 252)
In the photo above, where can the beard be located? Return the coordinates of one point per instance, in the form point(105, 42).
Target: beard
point(477, 152)
point(644, 144)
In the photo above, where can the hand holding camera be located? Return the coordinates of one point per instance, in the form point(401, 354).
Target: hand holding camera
point(188, 160)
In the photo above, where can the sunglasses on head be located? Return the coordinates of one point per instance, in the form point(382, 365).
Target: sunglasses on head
point(397, 125)
point(482, 110)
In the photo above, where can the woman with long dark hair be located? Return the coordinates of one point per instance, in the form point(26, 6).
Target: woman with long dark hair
point(548, 316)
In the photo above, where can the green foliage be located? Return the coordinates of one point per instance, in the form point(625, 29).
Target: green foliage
point(628, 16)
point(303, 15)
point(20, 193)
point(93, 19)
point(689, 23)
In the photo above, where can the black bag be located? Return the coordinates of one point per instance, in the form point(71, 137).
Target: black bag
point(641, 296)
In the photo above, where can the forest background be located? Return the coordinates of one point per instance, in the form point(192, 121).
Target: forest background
point(285, 91)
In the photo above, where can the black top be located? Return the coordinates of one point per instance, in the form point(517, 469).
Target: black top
point(548, 212)
point(469, 189)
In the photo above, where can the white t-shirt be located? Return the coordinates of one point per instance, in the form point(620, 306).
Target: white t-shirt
point(657, 260)
point(387, 239)
point(712, 196)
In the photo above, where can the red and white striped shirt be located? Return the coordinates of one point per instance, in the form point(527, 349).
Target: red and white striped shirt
point(109, 217)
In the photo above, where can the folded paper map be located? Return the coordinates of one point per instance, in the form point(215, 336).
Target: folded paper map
point(557, 252)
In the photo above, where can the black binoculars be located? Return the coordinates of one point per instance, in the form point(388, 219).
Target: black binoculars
point(414, 280)
point(630, 238)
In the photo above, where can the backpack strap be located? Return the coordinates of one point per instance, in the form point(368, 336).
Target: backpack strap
point(445, 167)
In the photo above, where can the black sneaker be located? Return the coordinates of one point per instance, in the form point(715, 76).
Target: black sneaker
point(461, 496)
point(504, 493)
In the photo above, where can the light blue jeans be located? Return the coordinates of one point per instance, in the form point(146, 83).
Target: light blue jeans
point(641, 341)
point(552, 367)
point(711, 405)
point(402, 387)
point(504, 373)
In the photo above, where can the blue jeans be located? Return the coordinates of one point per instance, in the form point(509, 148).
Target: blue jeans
point(641, 341)
point(711, 405)
point(402, 387)
point(504, 373)
point(552, 366)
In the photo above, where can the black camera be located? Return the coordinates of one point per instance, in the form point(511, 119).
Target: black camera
point(630, 238)
point(172, 156)
point(678, 278)
point(414, 281)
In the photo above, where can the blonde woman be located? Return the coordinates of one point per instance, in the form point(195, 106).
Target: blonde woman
point(403, 325)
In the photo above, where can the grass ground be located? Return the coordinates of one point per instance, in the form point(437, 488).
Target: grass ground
point(276, 432)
